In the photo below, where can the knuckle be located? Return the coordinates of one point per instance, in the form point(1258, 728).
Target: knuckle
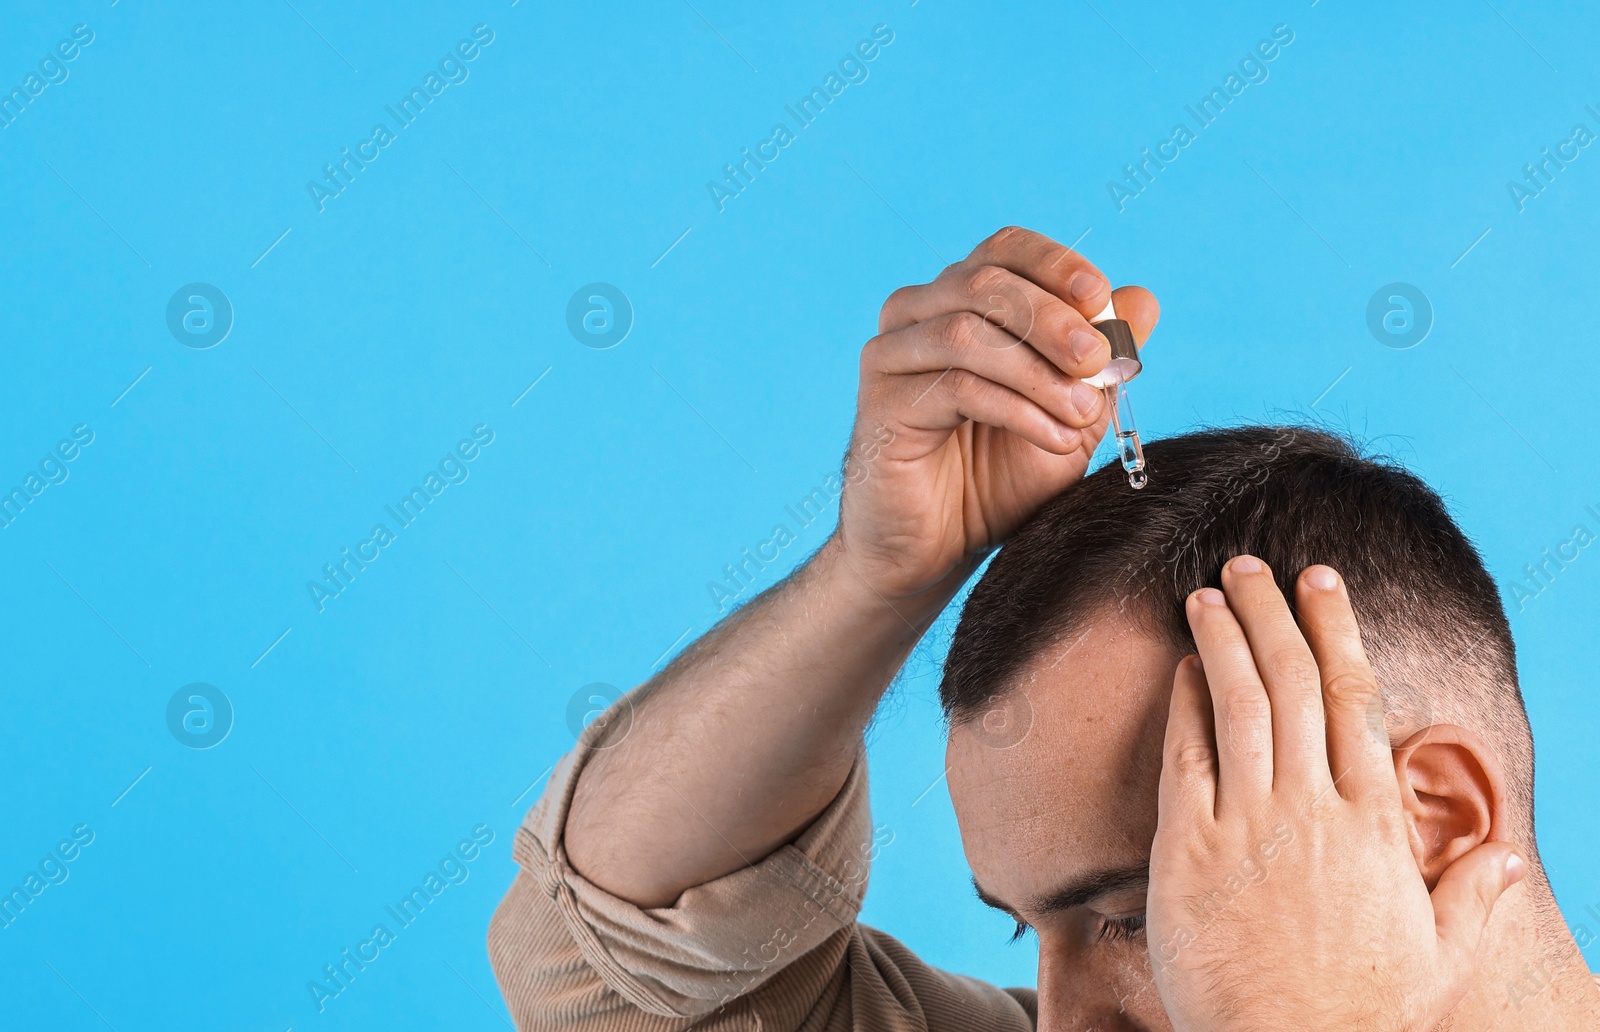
point(1005, 237)
point(1350, 688)
point(870, 353)
point(893, 305)
point(961, 331)
point(1247, 706)
point(1293, 664)
point(984, 283)
point(961, 385)
point(1193, 760)
point(1057, 316)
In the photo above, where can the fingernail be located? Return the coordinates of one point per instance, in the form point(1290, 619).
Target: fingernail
point(1085, 344)
point(1516, 869)
point(1209, 597)
point(1084, 286)
point(1322, 578)
point(1246, 564)
point(1085, 401)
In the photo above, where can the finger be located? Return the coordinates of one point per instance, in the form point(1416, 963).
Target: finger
point(966, 341)
point(1239, 700)
point(1286, 666)
point(1189, 755)
point(1359, 756)
point(1465, 897)
point(1024, 309)
point(1139, 309)
point(938, 402)
point(1054, 267)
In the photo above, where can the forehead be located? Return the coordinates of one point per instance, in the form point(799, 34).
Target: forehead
point(1059, 779)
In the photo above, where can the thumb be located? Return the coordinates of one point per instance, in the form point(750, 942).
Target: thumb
point(1467, 892)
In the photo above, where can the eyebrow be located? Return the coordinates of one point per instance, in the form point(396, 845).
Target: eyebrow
point(1076, 894)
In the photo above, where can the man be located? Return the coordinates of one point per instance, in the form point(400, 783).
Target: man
point(700, 858)
point(1059, 672)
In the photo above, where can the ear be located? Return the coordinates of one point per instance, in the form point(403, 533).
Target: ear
point(1453, 795)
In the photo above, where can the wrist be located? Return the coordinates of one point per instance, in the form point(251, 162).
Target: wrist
point(853, 596)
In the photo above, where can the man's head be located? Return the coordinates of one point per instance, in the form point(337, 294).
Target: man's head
point(1058, 676)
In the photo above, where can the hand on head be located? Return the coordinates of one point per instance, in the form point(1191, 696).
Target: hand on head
point(1271, 765)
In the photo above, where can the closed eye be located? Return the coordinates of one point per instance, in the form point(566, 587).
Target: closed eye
point(1016, 936)
point(1121, 929)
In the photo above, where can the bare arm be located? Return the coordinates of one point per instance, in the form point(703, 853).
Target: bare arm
point(743, 740)
point(969, 415)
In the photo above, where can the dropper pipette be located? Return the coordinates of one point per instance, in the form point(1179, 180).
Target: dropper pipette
point(1113, 381)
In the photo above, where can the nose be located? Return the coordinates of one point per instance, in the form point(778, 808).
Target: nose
point(1080, 992)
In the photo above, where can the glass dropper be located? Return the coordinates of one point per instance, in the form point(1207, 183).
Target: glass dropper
point(1123, 366)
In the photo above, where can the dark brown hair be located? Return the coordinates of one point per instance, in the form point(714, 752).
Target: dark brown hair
point(1430, 614)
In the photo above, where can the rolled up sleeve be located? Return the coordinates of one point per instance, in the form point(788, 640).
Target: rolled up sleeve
point(774, 946)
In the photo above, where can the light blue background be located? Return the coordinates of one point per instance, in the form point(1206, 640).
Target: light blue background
point(427, 697)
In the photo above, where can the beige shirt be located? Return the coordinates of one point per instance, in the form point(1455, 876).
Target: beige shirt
point(774, 947)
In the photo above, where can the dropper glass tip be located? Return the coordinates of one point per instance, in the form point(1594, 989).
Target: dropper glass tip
point(1126, 436)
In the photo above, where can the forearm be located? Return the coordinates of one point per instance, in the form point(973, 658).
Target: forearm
point(738, 744)
point(962, 430)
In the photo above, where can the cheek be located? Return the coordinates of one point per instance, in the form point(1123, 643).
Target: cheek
point(1139, 998)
